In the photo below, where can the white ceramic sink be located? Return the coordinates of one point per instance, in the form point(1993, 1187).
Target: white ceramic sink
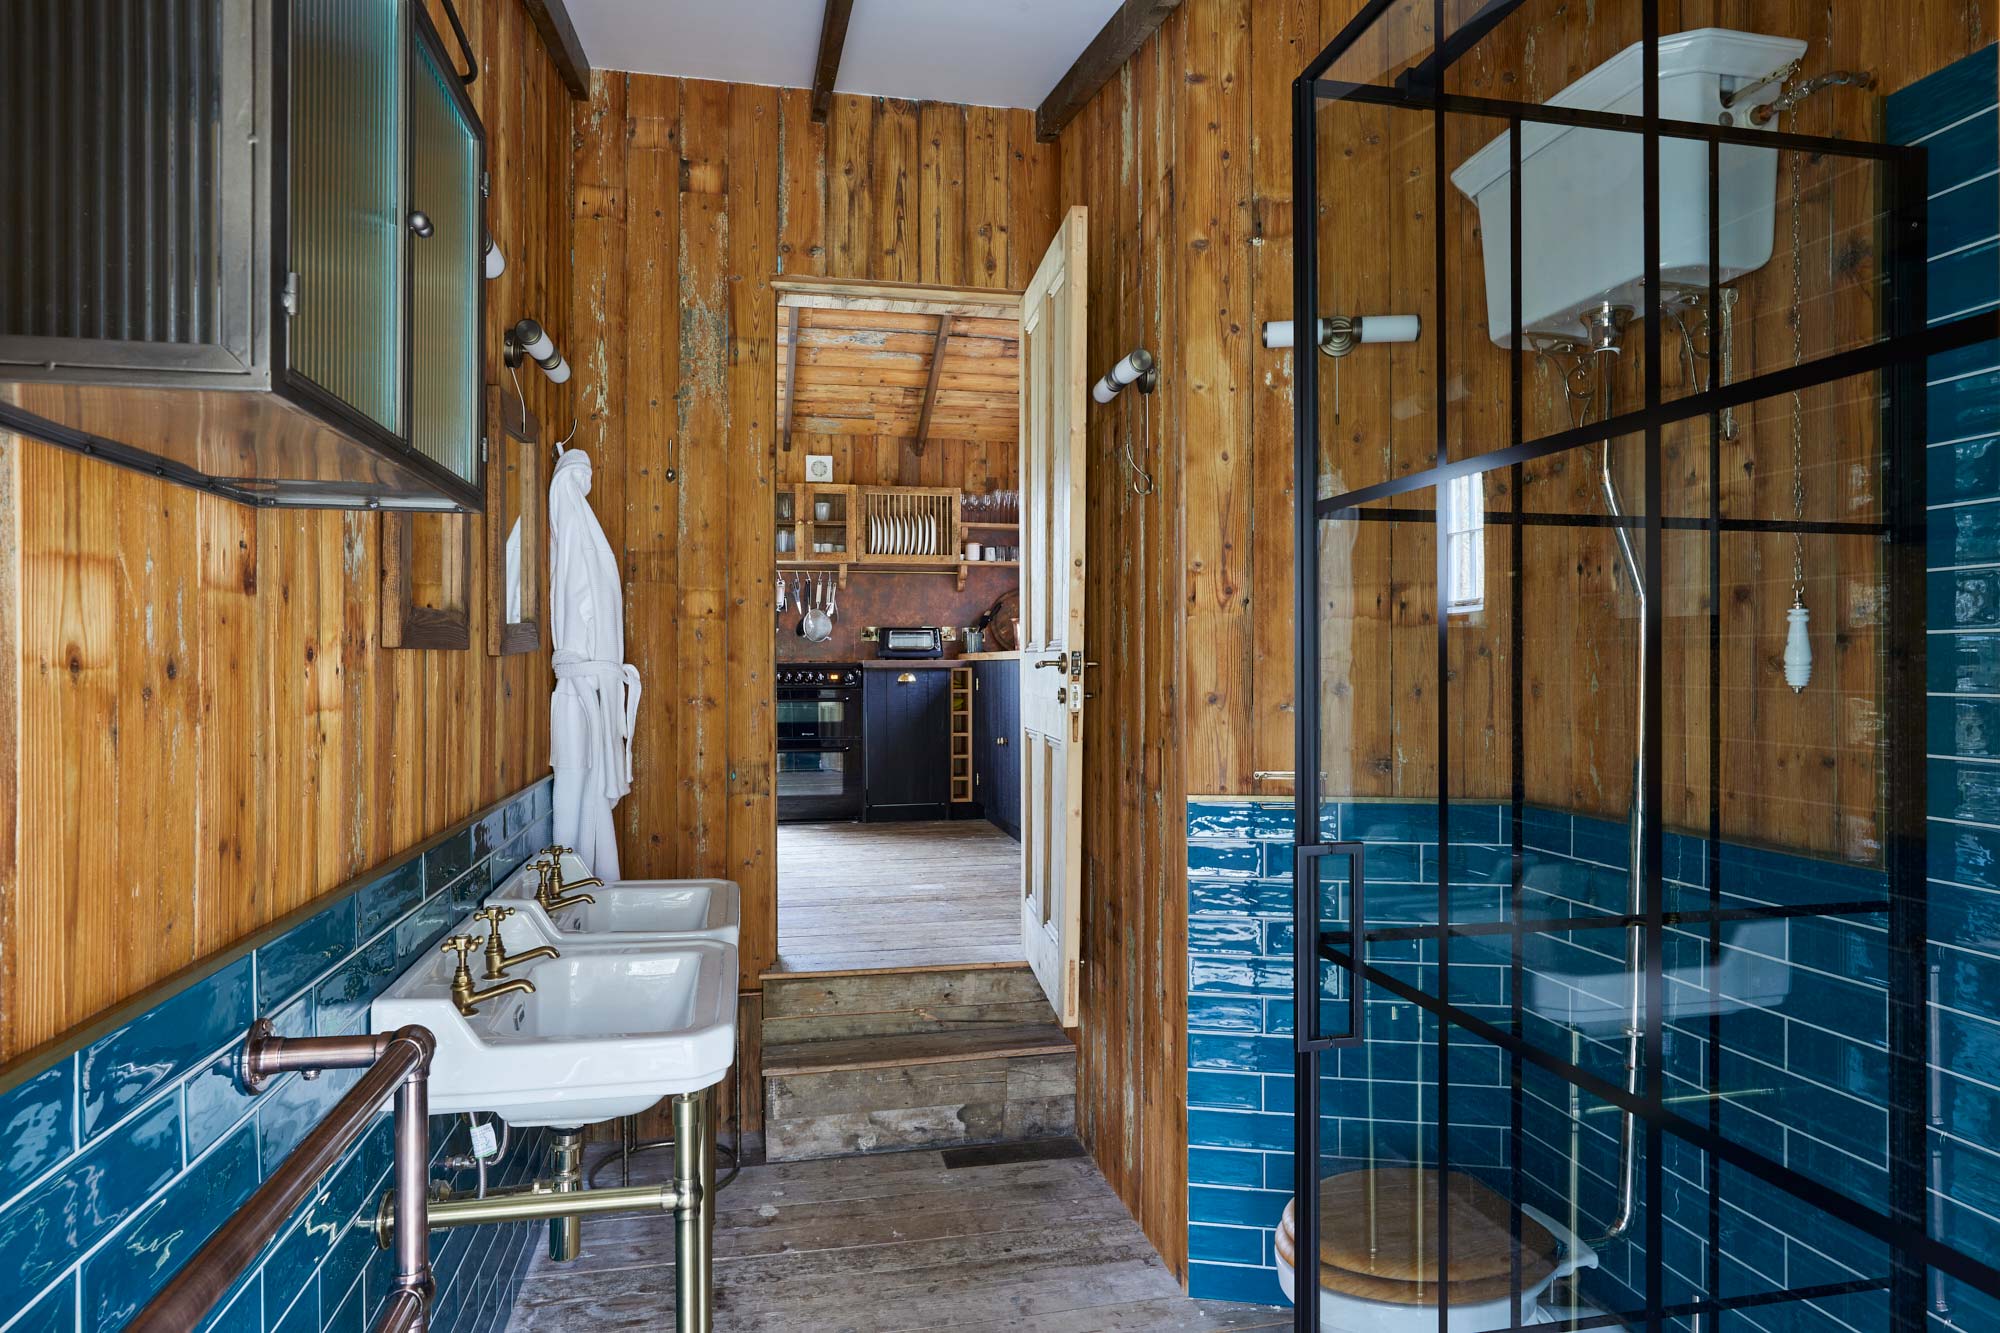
point(626, 911)
point(606, 1032)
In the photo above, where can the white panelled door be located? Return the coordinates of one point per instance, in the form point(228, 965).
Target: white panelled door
point(1053, 387)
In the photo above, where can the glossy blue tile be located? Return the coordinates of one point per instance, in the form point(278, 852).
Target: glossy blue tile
point(1967, 534)
point(1225, 1166)
point(1228, 1282)
point(1963, 664)
point(163, 1236)
point(119, 1071)
point(37, 1125)
point(1221, 819)
point(340, 1002)
point(389, 897)
point(1217, 1013)
point(1965, 790)
point(1961, 284)
point(1239, 858)
point(1225, 935)
point(1248, 1055)
point(215, 1100)
point(45, 1230)
point(290, 1110)
point(286, 964)
point(1228, 1092)
point(1389, 821)
point(1228, 1245)
point(1965, 470)
point(1962, 88)
point(53, 1312)
point(292, 1311)
point(326, 1218)
point(447, 861)
point(1236, 976)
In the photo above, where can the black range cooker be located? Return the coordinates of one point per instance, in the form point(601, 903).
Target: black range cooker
point(819, 741)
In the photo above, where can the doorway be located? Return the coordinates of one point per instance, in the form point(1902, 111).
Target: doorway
point(896, 513)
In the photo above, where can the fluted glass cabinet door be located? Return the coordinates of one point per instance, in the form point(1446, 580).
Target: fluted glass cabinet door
point(444, 189)
point(347, 202)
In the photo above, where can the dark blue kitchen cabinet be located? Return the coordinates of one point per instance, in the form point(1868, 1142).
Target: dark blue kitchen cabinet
point(906, 724)
point(996, 743)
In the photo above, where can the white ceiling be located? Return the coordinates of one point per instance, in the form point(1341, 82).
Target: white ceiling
point(980, 52)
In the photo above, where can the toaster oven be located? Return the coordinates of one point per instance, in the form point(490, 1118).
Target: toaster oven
point(916, 641)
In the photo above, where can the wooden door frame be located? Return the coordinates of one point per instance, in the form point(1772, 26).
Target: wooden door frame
point(897, 298)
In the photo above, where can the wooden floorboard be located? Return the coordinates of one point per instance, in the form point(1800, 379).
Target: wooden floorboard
point(893, 1242)
point(917, 1048)
point(921, 894)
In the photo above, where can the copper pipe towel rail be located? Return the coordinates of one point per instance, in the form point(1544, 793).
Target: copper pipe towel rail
point(397, 1064)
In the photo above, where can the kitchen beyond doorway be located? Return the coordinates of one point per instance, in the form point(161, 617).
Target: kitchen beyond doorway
point(854, 896)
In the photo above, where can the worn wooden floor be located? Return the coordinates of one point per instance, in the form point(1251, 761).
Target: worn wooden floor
point(897, 895)
point(901, 1241)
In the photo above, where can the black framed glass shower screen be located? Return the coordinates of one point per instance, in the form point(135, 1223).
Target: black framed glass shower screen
point(1543, 601)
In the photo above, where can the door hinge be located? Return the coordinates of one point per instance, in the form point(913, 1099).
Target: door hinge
point(485, 185)
point(482, 448)
point(291, 294)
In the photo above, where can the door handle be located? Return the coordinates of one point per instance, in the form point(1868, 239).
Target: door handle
point(1306, 859)
point(907, 678)
point(1058, 662)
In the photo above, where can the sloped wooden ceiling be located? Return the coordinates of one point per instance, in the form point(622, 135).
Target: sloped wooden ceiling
point(868, 372)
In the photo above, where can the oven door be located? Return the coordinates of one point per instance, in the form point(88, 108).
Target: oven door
point(819, 783)
point(810, 716)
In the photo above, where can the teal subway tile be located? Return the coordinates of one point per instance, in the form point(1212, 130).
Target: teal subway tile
point(1230, 1282)
point(1964, 853)
point(1238, 858)
point(1278, 857)
point(286, 964)
point(119, 1071)
point(1960, 89)
point(1229, 1245)
point(294, 1313)
point(1236, 1207)
point(347, 1317)
point(448, 860)
point(53, 1312)
point(1274, 821)
point(1218, 1013)
point(120, 1278)
point(1228, 1092)
point(340, 1002)
point(43, 1231)
point(37, 1125)
point(470, 889)
point(1965, 405)
point(1249, 1055)
point(215, 1097)
point(1211, 819)
point(1969, 980)
point(325, 1219)
point(390, 896)
point(1966, 470)
point(1240, 1129)
point(1963, 664)
point(1389, 821)
point(1961, 284)
point(1225, 1166)
point(1964, 599)
point(1966, 728)
point(1964, 790)
point(416, 933)
point(488, 834)
point(1238, 975)
point(289, 1111)
point(1222, 935)
point(517, 814)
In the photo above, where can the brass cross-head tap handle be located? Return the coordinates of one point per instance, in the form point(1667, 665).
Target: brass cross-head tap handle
point(498, 960)
point(462, 993)
point(493, 916)
point(464, 945)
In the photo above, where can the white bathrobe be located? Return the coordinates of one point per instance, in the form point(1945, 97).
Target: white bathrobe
point(597, 692)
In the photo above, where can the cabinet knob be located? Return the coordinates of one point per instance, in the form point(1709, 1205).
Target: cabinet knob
point(999, 740)
point(907, 678)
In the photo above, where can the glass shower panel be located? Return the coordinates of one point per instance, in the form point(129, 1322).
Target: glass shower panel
point(1378, 402)
point(347, 202)
point(444, 175)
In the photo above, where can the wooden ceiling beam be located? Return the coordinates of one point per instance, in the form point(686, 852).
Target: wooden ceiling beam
point(832, 41)
point(931, 393)
point(1122, 35)
point(791, 372)
point(551, 20)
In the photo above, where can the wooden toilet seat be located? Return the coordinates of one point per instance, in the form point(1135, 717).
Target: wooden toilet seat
point(1379, 1238)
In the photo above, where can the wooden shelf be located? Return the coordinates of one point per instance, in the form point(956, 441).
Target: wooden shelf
point(1008, 526)
point(918, 565)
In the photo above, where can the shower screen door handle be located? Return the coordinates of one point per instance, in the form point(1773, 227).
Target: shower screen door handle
point(1306, 860)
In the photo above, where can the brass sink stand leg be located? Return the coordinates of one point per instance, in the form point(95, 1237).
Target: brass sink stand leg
point(694, 1221)
point(566, 1233)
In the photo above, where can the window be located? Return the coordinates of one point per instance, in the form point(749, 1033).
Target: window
point(1464, 523)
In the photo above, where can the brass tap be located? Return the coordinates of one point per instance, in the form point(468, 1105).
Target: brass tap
point(549, 892)
point(463, 995)
point(498, 960)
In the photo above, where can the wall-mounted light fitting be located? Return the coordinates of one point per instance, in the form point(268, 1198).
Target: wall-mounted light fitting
point(1136, 367)
point(529, 339)
point(496, 262)
point(1339, 334)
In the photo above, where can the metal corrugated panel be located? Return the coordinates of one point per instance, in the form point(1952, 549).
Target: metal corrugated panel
point(347, 225)
point(109, 221)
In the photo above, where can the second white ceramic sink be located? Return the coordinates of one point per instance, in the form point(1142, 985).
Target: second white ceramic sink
point(626, 911)
point(606, 1032)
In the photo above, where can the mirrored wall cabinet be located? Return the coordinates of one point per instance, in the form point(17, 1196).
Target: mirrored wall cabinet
point(252, 248)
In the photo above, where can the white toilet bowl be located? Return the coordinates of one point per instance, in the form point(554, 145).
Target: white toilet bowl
point(1348, 1312)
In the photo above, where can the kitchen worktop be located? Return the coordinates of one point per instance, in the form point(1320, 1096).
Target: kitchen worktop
point(934, 663)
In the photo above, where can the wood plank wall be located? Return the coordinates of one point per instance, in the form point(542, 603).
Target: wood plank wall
point(1184, 161)
point(198, 729)
point(690, 197)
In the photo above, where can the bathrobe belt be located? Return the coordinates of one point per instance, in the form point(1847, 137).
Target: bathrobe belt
point(611, 724)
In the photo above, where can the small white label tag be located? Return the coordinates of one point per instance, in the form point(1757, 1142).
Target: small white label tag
point(483, 1142)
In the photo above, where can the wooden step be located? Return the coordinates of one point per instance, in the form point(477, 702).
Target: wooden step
point(824, 1006)
point(915, 1048)
point(939, 1078)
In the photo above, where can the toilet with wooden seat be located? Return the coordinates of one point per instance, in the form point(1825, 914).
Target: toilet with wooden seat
point(1378, 1266)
